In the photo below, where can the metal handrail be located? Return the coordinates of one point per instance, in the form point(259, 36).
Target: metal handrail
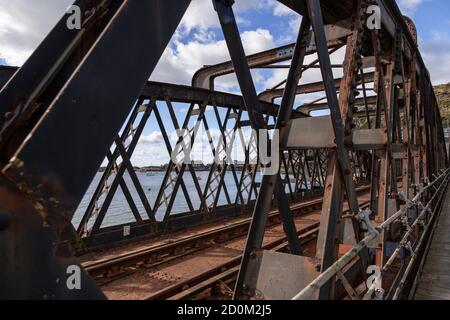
point(410, 230)
point(411, 262)
point(329, 273)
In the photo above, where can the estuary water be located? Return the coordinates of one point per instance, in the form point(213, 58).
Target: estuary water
point(119, 211)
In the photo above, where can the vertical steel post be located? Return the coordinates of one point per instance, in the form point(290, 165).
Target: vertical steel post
point(270, 182)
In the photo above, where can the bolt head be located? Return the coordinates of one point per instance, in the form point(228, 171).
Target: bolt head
point(8, 115)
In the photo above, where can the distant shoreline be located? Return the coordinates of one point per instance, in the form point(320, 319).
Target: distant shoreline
point(164, 168)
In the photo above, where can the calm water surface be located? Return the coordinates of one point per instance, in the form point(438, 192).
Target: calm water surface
point(119, 211)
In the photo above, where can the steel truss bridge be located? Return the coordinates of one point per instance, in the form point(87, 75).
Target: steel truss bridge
point(80, 98)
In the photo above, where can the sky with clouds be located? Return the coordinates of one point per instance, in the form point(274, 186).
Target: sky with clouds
point(263, 24)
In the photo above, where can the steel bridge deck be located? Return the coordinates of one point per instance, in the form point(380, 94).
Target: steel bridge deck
point(434, 282)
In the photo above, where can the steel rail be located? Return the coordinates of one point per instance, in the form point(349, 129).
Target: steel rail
point(204, 278)
point(324, 277)
point(188, 245)
point(228, 270)
point(189, 289)
point(103, 267)
point(107, 270)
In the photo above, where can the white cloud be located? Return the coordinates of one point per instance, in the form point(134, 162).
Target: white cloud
point(280, 10)
point(25, 23)
point(178, 64)
point(23, 26)
point(201, 14)
point(409, 7)
point(150, 150)
point(197, 9)
point(436, 54)
point(155, 137)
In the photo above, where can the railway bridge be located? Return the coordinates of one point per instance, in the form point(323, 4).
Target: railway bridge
point(356, 206)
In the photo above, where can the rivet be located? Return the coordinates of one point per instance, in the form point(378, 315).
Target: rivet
point(8, 115)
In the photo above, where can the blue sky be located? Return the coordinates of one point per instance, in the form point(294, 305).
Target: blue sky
point(432, 16)
point(263, 24)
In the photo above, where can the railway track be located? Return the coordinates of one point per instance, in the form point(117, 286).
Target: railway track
point(224, 275)
point(225, 272)
point(112, 270)
point(153, 256)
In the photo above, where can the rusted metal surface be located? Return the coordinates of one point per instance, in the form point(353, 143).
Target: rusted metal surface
point(223, 272)
point(172, 250)
point(203, 285)
point(56, 86)
point(191, 268)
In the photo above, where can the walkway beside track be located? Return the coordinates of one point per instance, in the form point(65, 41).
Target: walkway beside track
point(434, 282)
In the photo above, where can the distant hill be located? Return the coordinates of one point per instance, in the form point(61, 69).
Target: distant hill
point(443, 96)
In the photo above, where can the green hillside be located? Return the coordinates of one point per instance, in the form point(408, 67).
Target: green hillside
point(443, 96)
